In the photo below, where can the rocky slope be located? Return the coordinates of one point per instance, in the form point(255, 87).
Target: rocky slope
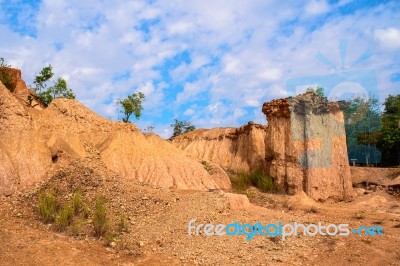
point(35, 142)
point(239, 149)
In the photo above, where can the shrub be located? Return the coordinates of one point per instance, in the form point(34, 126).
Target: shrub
point(76, 226)
point(64, 217)
point(262, 181)
point(122, 224)
point(47, 206)
point(242, 181)
point(6, 79)
point(79, 205)
point(100, 220)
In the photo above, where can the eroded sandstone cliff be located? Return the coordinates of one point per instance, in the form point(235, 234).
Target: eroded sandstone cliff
point(34, 142)
point(240, 149)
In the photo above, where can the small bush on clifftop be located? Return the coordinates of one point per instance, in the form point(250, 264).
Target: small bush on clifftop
point(5, 76)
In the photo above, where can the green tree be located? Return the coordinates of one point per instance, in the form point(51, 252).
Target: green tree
point(44, 76)
point(58, 90)
point(389, 137)
point(132, 105)
point(319, 91)
point(181, 127)
point(362, 124)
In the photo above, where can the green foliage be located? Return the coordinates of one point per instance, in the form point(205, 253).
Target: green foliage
point(389, 137)
point(76, 226)
point(318, 91)
point(366, 125)
point(44, 76)
point(392, 105)
point(122, 224)
point(362, 122)
point(132, 105)
point(48, 94)
point(262, 181)
point(100, 220)
point(182, 127)
point(79, 205)
point(5, 76)
point(58, 90)
point(47, 206)
point(64, 217)
point(242, 181)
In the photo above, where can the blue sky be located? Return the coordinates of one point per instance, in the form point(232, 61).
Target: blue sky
point(211, 62)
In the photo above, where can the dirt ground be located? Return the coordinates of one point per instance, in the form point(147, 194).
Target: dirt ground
point(158, 219)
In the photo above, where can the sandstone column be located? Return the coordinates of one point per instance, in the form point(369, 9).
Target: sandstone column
point(306, 147)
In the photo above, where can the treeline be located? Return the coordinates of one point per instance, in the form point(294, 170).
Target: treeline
point(376, 132)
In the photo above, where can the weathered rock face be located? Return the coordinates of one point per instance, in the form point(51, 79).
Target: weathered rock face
point(34, 142)
point(239, 149)
point(24, 156)
point(306, 147)
point(18, 87)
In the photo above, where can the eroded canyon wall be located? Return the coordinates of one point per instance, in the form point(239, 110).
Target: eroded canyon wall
point(240, 149)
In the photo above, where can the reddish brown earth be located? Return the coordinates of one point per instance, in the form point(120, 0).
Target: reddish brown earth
point(159, 189)
point(158, 222)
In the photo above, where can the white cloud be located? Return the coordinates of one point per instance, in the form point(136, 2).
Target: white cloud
point(272, 74)
point(316, 7)
point(239, 54)
point(388, 38)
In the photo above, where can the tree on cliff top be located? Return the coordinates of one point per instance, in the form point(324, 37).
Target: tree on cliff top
point(132, 105)
point(318, 91)
point(182, 127)
point(58, 90)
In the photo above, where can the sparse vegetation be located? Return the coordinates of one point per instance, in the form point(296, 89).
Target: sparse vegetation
point(262, 181)
point(181, 127)
point(79, 205)
point(5, 76)
point(100, 220)
point(207, 166)
point(318, 91)
point(48, 94)
point(132, 105)
point(47, 206)
point(242, 181)
point(64, 217)
point(71, 214)
point(76, 226)
point(122, 224)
